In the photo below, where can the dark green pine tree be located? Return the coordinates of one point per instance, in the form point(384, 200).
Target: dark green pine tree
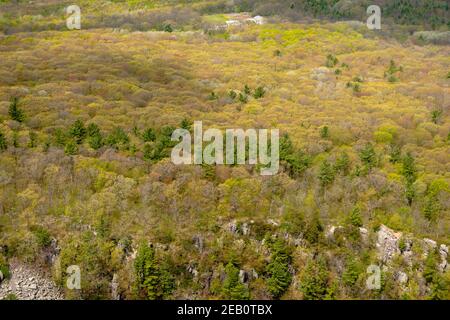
point(3, 142)
point(314, 229)
point(324, 132)
point(186, 123)
point(96, 141)
point(78, 131)
point(279, 278)
point(14, 111)
point(409, 171)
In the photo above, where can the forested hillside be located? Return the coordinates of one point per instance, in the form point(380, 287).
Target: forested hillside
point(86, 178)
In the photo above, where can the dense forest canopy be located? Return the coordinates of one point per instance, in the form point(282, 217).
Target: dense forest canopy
point(86, 118)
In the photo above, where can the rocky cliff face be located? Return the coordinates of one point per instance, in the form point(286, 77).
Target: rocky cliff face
point(28, 283)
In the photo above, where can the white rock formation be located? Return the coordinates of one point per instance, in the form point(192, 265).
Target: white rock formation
point(387, 243)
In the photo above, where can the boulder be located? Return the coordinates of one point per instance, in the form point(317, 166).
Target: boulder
point(198, 242)
point(115, 295)
point(401, 277)
point(387, 243)
point(443, 253)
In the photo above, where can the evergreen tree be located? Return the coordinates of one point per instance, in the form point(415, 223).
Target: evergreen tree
point(314, 229)
point(314, 281)
point(152, 280)
point(33, 139)
point(14, 111)
point(259, 93)
point(60, 137)
point(247, 90)
point(3, 142)
point(368, 156)
point(286, 148)
point(15, 139)
point(324, 132)
point(353, 223)
point(352, 272)
point(355, 218)
point(243, 98)
point(409, 170)
point(431, 208)
point(78, 131)
point(232, 287)
point(149, 135)
point(186, 124)
point(93, 130)
point(96, 141)
point(326, 173)
point(395, 154)
point(278, 269)
point(342, 164)
point(436, 115)
point(118, 139)
point(71, 148)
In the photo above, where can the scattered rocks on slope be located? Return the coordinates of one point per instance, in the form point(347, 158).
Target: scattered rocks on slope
point(387, 243)
point(28, 283)
point(443, 253)
point(401, 277)
point(198, 242)
point(115, 295)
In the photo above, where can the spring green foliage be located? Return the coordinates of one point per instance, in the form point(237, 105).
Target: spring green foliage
point(96, 141)
point(342, 164)
point(33, 139)
point(3, 142)
point(331, 61)
point(324, 132)
point(392, 71)
point(118, 139)
point(314, 229)
point(14, 111)
point(395, 153)
point(342, 150)
point(326, 173)
point(409, 171)
point(78, 131)
point(4, 268)
point(232, 287)
point(354, 218)
point(436, 115)
point(314, 280)
point(149, 135)
point(259, 93)
point(152, 281)
point(71, 148)
point(279, 277)
point(186, 124)
point(43, 237)
point(352, 272)
point(368, 156)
